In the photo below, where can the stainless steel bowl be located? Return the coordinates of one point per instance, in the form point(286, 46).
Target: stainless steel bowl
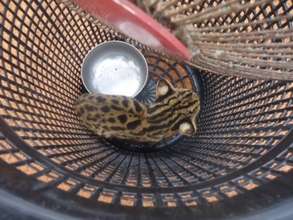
point(115, 68)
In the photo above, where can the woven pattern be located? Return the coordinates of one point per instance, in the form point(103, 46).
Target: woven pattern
point(238, 37)
point(243, 140)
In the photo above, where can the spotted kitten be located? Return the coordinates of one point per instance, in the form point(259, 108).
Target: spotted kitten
point(173, 112)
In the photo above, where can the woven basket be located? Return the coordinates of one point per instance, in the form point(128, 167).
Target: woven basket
point(241, 159)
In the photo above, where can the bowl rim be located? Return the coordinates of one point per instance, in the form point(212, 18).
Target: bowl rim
point(116, 42)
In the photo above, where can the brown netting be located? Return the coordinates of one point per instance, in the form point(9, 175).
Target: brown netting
point(250, 38)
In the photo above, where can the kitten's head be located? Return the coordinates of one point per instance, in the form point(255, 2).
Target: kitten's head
point(184, 101)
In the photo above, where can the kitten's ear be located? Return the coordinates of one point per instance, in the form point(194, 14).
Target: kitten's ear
point(164, 88)
point(188, 127)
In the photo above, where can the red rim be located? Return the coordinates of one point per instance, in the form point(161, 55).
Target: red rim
point(132, 21)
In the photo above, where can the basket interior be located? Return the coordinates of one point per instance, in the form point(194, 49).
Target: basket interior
point(244, 127)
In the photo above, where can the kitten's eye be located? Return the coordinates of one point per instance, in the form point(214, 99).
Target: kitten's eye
point(172, 102)
point(185, 128)
point(163, 90)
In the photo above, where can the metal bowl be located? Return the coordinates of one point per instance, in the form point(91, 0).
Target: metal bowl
point(115, 68)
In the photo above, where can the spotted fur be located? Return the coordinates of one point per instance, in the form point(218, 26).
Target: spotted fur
point(173, 112)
